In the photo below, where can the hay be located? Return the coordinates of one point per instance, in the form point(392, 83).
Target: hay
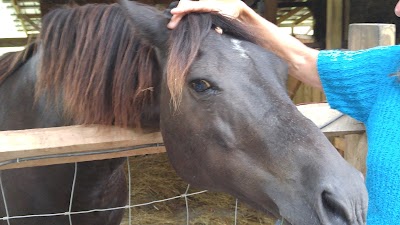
point(154, 179)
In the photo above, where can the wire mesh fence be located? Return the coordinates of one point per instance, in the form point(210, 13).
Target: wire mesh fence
point(184, 201)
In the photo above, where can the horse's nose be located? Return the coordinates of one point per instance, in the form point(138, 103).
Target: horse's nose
point(339, 207)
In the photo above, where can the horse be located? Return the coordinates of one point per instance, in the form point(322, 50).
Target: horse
point(218, 98)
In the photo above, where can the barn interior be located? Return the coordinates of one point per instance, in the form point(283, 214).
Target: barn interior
point(321, 24)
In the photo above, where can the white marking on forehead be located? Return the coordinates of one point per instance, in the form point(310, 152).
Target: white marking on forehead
point(239, 48)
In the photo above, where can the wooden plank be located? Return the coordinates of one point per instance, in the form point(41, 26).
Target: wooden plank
point(307, 97)
point(289, 14)
point(293, 86)
point(47, 146)
point(288, 4)
point(49, 142)
point(85, 158)
point(302, 18)
point(63, 138)
point(13, 42)
point(356, 151)
point(368, 35)
point(31, 16)
point(331, 122)
point(317, 95)
point(340, 144)
point(299, 97)
point(28, 20)
point(271, 10)
point(18, 11)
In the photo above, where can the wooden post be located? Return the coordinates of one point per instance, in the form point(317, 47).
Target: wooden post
point(362, 36)
point(271, 9)
point(334, 24)
point(368, 35)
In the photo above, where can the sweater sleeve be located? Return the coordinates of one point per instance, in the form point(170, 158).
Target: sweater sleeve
point(351, 79)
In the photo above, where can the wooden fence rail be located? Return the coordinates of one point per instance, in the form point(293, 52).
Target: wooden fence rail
point(47, 146)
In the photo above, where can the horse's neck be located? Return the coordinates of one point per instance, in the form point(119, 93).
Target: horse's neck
point(17, 97)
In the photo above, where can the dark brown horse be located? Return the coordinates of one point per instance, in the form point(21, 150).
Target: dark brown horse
point(219, 100)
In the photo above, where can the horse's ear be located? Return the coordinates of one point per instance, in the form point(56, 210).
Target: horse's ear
point(148, 21)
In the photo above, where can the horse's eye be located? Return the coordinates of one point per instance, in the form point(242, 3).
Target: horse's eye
point(200, 85)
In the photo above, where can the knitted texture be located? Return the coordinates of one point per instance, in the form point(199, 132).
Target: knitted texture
point(362, 85)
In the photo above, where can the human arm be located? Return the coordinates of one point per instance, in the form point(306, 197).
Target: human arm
point(354, 82)
point(301, 59)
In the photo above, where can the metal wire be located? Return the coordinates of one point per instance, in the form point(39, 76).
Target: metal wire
point(102, 210)
point(4, 197)
point(129, 191)
point(72, 193)
point(236, 211)
point(187, 205)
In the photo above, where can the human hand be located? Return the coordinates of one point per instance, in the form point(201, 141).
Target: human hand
point(229, 8)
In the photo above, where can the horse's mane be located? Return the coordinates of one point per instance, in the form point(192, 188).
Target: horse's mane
point(92, 59)
point(12, 61)
point(94, 64)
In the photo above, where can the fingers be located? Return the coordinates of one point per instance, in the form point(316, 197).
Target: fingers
point(397, 9)
point(174, 21)
point(185, 7)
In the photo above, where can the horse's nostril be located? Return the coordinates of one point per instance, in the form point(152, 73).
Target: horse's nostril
point(334, 210)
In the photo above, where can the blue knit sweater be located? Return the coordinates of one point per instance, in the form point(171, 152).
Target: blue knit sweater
point(361, 84)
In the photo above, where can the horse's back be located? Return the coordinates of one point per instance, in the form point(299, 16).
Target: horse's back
point(47, 189)
point(17, 96)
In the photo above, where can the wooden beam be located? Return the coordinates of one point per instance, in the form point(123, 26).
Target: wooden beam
point(330, 121)
point(58, 145)
point(13, 42)
point(289, 14)
point(31, 16)
point(18, 11)
point(47, 5)
point(291, 24)
point(293, 4)
point(9, 1)
point(48, 146)
point(84, 158)
point(28, 20)
point(70, 139)
point(271, 10)
point(302, 18)
point(27, 7)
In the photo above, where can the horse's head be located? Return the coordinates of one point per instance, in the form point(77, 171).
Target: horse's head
point(228, 124)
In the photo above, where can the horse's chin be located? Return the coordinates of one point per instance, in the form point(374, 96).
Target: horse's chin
point(282, 222)
point(268, 212)
point(279, 219)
